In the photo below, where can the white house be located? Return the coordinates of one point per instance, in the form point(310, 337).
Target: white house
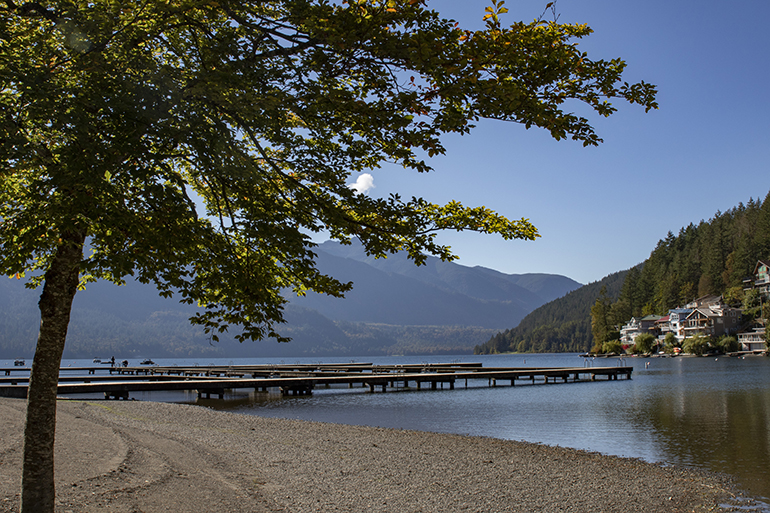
point(753, 340)
point(636, 326)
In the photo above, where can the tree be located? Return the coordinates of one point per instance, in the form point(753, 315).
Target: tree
point(728, 344)
point(612, 346)
point(600, 320)
point(752, 304)
point(696, 345)
point(198, 145)
point(643, 343)
point(670, 342)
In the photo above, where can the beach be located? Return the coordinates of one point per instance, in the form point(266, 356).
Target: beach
point(134, 456)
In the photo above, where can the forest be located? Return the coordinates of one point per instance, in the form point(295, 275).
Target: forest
point(711, 257)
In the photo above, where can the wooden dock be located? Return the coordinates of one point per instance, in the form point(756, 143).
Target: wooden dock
point(301, 379)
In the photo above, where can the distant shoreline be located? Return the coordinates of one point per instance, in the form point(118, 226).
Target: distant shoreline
point(146, 456)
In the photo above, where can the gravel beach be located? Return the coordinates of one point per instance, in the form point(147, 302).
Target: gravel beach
point(130, 456)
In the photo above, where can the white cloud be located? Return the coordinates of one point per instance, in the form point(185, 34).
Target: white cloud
point(364, 182)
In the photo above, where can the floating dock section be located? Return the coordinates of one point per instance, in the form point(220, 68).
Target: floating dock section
point(300, 379)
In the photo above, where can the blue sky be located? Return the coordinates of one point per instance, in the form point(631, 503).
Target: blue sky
point(601, 210)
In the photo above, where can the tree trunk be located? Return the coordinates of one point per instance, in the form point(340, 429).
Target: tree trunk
point(61, 282)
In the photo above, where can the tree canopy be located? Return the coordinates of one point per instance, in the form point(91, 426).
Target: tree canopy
point(200, 144)
point(118, 114)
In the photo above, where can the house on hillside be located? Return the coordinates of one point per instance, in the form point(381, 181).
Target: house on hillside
point(762, 278)
point(676, 322)
point(704, 302)
point(713, 321)
point(759, 279)
point(636, 326)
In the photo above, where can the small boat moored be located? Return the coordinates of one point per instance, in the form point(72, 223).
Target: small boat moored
point(19, 362)
point(147, 361)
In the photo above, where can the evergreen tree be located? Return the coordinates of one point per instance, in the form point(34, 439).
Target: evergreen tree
point(600, 318)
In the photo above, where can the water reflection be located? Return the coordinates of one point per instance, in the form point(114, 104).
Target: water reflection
point(719, 430)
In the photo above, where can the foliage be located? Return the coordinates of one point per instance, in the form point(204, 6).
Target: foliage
point(601, 324)
point(562, 325)
point(697, 345)
point(728, 344)
point(611, 346)
point(766, 322)
point(712, 257)
point(752, 304)
point(643, 343)
point(670, 342)
point(116, 115)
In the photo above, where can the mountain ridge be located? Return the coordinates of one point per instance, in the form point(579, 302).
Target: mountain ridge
point(393, 308)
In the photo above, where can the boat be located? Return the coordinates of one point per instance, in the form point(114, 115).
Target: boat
point(97, 360)
point(146, 361)
point(19, 362)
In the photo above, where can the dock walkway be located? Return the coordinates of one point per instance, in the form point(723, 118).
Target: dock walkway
point(299, 379)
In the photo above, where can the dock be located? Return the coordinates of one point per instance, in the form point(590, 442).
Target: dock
point(299, 379)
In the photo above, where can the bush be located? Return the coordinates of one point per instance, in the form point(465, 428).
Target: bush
point(670, 342)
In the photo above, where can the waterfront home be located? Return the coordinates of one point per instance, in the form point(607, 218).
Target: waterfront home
point(676, 322)
point(759, 279)
point(636, 326)
point(753, 339)
point(707, 316)
point(713, 321)
point(663, 326)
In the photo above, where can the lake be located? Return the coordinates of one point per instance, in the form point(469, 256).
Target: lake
point(710, 413)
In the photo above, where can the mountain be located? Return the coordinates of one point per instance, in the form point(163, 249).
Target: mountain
point(394, 308)
point(563, 325)
point(478, 282)
point(395, 291)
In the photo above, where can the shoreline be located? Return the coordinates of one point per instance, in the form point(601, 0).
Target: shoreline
point(133, 456)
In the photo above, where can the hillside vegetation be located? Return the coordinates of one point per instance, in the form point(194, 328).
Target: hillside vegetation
point(712, 257)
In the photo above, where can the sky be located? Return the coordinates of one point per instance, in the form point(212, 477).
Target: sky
point(602, 210)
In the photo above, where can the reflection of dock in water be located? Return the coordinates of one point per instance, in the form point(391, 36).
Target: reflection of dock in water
point(301, 379)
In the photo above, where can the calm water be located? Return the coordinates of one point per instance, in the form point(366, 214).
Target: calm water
point(707, 413)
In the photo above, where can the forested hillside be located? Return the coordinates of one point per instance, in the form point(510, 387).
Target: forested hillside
point(563, 325)
point(712, 257)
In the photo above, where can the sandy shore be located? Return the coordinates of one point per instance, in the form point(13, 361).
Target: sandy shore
point(128, 456)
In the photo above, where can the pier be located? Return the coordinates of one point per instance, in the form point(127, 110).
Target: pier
point(300, 379)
